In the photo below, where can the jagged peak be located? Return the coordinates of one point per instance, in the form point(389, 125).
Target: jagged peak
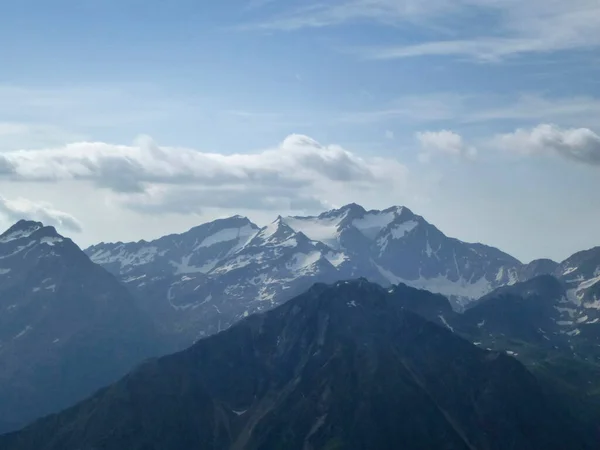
point(277, 228)
point(351, 209)
point(28, 228)
point(224, 222)
point(401, 212)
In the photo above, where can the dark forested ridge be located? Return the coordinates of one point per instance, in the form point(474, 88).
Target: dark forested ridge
point(346, 366)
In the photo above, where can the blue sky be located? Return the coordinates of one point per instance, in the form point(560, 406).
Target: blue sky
point(487, 110)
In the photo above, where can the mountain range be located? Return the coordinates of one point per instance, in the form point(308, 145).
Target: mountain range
point(200, 282)
point(344, 366)
point(74, 321)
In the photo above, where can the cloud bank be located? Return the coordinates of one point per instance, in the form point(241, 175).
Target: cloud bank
point(145, 177)
point(576, 144)
point(444, 142)
point(22, 208)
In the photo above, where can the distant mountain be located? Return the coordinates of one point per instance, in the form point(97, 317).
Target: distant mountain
point(536, 268)
point(67, 326)
point(536, 311)
point(581, 273)
point(202, 281)
point(346, 366)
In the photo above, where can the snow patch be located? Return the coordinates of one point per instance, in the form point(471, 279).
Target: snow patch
point(401, 230)
point(236, 263)
point(371, 224)
point(19, 234)
point(398, 232)
point(51, 241)
point(144, 255)
point(23, 332)
point(443, 319)
point(336, 258)
point(131, 279)
point(500, 274)
point(267, 232)
point(323, 230)
point(443, 285)
point(291, 242)
point(570, 311)
point(19, 249)
point(184, 266)
point(573, 297)
point(588, 283)
point(428, 249)
point(227, 235)
point(302, 262)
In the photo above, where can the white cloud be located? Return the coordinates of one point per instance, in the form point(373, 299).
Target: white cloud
point(146, 177)
point(318, 14)
point(485, 49)
point(527, 108)
point(577, 144)
point(519, 27)
point(14, 210)
point(443, 142)
point(389, 134)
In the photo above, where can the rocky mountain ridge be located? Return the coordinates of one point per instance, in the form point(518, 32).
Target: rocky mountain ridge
point(204, 280)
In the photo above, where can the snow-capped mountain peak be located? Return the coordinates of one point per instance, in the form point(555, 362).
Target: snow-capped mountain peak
point(221, 271)
point(26, 242)
point(22, 229)
point(196, 251)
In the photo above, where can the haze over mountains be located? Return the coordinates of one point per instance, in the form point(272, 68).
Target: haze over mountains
point(67, 326)
point(72, 322)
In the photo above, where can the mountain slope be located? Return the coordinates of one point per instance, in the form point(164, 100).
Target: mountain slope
point(200, 282)
point(581, 273)
point(67, 327)
point(343, 366)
